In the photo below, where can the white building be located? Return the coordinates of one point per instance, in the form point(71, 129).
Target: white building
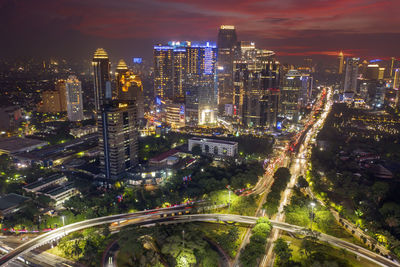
point(74, 99)
point(214, 146)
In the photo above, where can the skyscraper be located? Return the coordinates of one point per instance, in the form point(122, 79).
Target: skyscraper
point(129, 87)
point(62, 90)
point(54, 101)
point(118, 138)
point(74, 99)
point(102, 81)
point(188, 69)
point(341, 62)
point(163, 71)
point(227, 43)
point(392, 66)
point(350, 79)
point(256, 82)
point(291, 95)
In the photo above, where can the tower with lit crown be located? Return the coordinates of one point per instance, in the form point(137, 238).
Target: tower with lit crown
point(129, 87)
point(102, 82)
point(341, 62)
point(227, 43)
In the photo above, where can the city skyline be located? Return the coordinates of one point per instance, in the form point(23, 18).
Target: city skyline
point(360, 28)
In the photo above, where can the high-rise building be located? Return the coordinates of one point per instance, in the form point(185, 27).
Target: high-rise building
point(54, 101)
point(102, 80)
point(118, 138)
point(189, 69)
point(129, 87)
point(74, 99)
point(351, 75)
point(372, 72)
point(256, 84)
point(396, 79)
point(291, 95)
point(392, 66)
point(341, 63)
point(62, 90)
point(227, 43)
point(163, 71)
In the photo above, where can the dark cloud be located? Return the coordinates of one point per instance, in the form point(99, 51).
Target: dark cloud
point(74, 28)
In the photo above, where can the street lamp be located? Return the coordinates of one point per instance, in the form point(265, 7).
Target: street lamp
point(63, 220)
point(312, 204)
point(183, 237)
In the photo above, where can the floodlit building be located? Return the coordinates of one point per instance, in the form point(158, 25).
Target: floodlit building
point(175, 114)
point(118, 138)
point(74, 99)
point(214, 146)
point(130, 88)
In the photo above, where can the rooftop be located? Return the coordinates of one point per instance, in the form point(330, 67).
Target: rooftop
point(11, 200)
point(44, 181)
point(18, 144)
point(217, 141)
point(164, 155)
point(59, 189)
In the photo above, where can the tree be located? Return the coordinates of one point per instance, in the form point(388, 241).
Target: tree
point(196, 150)
point(302, 183)
point(379, 191)
point(282, 251)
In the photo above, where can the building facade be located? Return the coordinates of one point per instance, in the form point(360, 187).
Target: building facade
point(130, 88)
point(351, 75)
point(102, 80)
point(74, 99)
point(227, 46)
point(214, 146)
point(118, 138)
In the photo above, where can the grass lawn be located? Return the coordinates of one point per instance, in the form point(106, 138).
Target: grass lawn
point(351, 258)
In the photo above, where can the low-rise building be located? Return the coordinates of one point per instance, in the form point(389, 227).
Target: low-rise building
point(82, 131)
point(42, 183)
point(60, 193)
point(214, 146)
point(13, 145)
point(11, 203)
point(169, 158)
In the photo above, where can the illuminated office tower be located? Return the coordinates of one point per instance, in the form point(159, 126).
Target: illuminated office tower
point(227, 43)
point(54, 101)
point(372, 72)
point(74, 99)
point(256, 82)
point(396, 79)
point(341, 62)
point(351, 75)
point(180, 65)
point(291, 95)
point(118, 138)
point(207, 84)
point(62, 90)
point(163, 71)
point(392, 66)
point(129, 87)
point(102, 82)
point(381, 74)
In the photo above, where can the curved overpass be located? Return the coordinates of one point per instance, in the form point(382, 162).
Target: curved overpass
point(164, 216)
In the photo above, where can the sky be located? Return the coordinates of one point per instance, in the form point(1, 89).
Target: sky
point(130, 28)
